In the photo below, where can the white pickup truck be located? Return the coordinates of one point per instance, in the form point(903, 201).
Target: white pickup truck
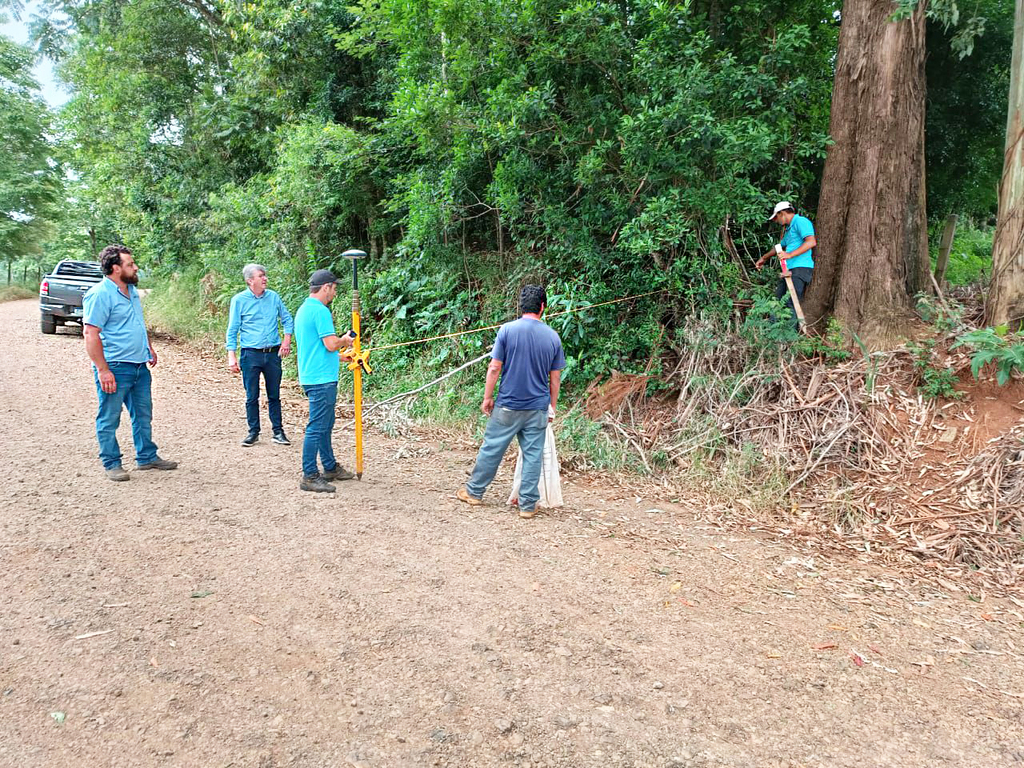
point(61, 292)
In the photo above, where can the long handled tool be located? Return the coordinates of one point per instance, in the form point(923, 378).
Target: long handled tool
point(788, 277)
point(359, 358)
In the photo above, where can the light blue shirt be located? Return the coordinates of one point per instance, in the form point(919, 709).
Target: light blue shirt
point(799, 229)
point(253, 320)
point(313, 322)
point(119, 318)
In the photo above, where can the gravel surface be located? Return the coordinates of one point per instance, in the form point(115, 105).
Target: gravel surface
point(217, 616)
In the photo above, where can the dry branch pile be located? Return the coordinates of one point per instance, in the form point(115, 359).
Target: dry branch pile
point(856, 446)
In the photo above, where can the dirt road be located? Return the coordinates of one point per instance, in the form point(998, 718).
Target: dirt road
point(217, 616)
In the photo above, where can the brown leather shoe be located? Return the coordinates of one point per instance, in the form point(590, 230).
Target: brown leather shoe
point(527, 514)
point(316, 484)
point(463, 495)
point(338, 473)
point(159, 464)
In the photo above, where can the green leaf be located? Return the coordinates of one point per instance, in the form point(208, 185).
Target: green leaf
point(981, 358)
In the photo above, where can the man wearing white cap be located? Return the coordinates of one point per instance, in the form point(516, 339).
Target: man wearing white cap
point(796, 252)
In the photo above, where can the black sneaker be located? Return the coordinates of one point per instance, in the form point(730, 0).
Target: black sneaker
point(338, 473)
point(316, 483)
point(251, 439)
point(280, 438)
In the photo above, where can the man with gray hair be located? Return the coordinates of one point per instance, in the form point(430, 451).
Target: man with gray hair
point(253, 327)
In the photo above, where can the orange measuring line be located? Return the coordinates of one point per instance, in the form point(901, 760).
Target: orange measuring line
point(498, 325)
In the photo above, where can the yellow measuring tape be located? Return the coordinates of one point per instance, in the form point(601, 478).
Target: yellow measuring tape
point(498, 325)
point(360, 358)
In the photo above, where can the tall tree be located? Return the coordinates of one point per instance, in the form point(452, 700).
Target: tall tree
point(29, 179)
point(966, 115)
point(872, 228)
point(1006, 297)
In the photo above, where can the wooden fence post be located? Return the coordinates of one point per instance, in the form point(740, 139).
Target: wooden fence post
point(945, 246)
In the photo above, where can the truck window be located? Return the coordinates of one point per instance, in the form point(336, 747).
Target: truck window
point(79, 269)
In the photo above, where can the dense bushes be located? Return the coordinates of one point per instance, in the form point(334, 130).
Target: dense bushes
point(468, 146)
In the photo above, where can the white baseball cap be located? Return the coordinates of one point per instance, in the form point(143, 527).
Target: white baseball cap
point(785, 205)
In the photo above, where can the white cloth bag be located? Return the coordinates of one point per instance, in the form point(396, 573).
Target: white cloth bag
point(550, 485)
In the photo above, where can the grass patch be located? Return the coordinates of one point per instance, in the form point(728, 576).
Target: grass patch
point(741, 473)
point(584, 444)
point(15, 292)
point(176, 306)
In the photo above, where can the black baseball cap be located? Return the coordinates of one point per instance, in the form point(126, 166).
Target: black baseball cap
point(322, 277)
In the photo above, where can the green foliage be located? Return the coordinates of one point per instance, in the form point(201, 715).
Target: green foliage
point(585, 444)
point(30, 187)
point(769, 323)
point(872, 373)
point(934, 381)
point(179, 307)
point(998, 346)
point(970, 256)
point(946, 13)
point(947, 316)
point(965, 125)
point(742, 473)
point(469, 146)
point(830, 346)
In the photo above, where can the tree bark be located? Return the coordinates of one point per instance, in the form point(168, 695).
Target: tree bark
point(1005, 304)
point(872, 254)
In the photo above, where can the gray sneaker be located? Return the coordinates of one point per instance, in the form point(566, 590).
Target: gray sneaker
point(117, 474)
point(316, 483)
point(159, 464)
point(338, 473)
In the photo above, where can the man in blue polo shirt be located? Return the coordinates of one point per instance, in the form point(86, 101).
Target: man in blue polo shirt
point(253, 322)
point(528, 356)
point(118, 345)
point(318, 362)
point(798, 242)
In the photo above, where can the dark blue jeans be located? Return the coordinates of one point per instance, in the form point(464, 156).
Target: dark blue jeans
point(134, 392)
point(801, 279)
point(322, 399)
point(253, 363)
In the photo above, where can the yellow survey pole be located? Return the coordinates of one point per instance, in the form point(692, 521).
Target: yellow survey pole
point(357, 364)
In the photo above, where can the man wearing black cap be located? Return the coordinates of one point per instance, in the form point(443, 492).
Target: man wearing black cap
point(318, 361)
point(796, 250)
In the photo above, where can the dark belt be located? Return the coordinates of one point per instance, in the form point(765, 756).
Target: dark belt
point(264, 350)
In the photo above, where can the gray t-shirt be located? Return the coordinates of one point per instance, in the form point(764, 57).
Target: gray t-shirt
point(528, 350)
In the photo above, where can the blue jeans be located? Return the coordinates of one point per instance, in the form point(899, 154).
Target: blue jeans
point(322, 398)
point(253, 363)
point(504, 425)
point(134, 392)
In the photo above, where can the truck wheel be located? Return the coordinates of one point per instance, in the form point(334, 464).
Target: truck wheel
point(47, 324)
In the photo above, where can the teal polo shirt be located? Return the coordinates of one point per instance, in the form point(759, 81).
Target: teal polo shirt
point(799, 229)
point(313, 322)
point(119, 318)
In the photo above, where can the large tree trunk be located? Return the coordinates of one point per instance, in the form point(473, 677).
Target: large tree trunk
point(1006, 296)
point(872, 254)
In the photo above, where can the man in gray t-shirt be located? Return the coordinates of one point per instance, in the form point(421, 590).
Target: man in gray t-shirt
point(528, 356)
